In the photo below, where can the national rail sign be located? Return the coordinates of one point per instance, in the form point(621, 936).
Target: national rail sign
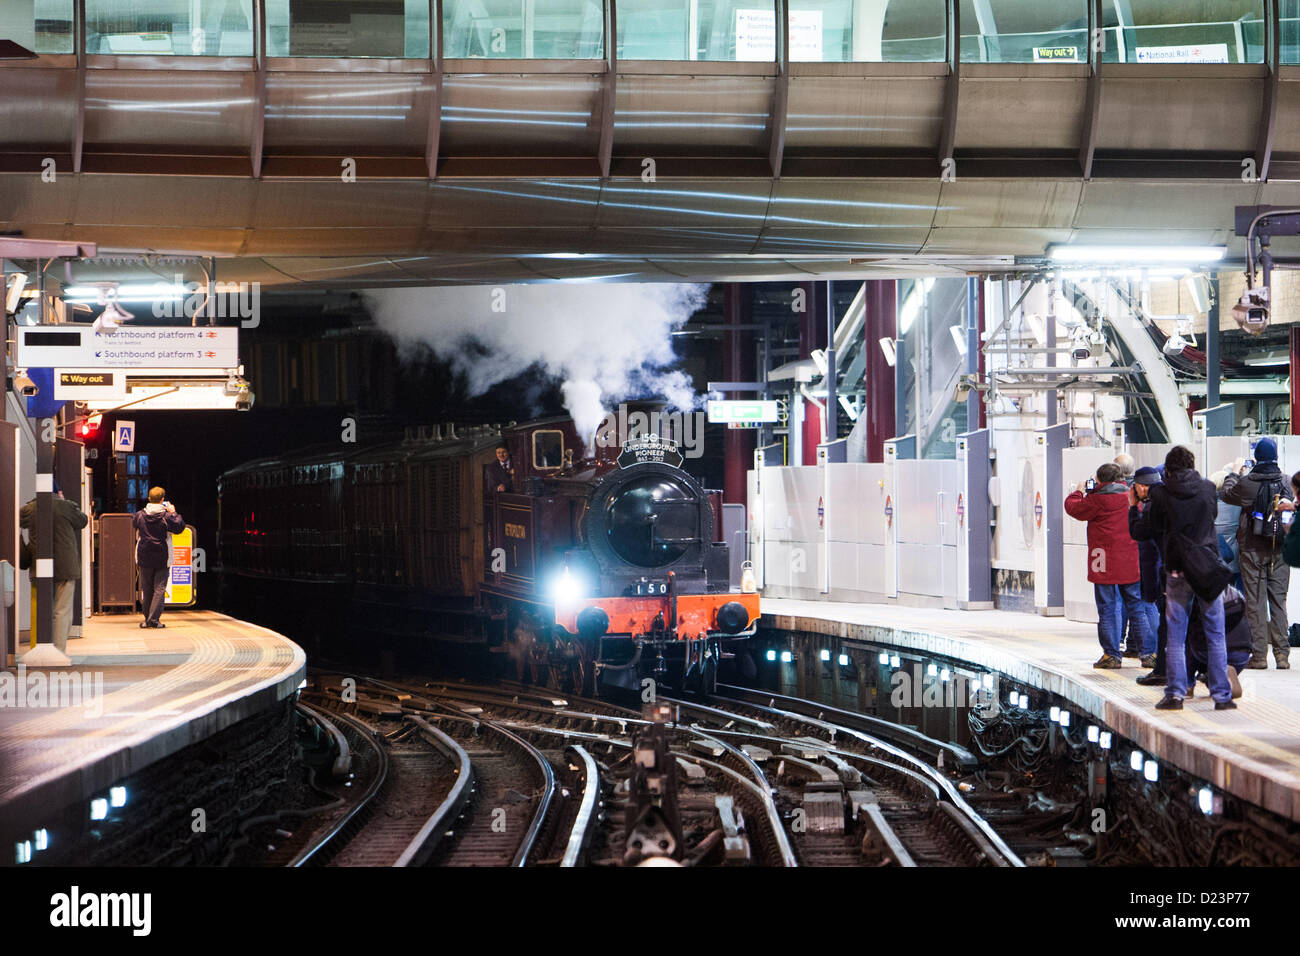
point(753, 414)
point(131, 346)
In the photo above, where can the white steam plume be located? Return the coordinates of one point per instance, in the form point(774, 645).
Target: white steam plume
point(602, 341)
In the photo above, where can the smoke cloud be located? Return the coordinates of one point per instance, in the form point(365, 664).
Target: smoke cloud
point(602, 341)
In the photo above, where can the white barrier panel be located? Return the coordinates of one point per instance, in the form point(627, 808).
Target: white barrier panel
point(1014, 484)
point(927, 528)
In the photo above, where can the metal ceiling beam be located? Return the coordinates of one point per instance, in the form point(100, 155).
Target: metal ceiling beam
point(1092, 106)
point(79, 133)
point(433, 132)
point(609, 90)
point(1268, 113)
point(948, 131)
point(780, 91)
point(257, 142)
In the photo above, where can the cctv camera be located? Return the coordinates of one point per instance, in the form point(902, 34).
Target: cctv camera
point(1081, 352)
point(962, 392)
point(23, 384)
point(1251, 313)
point(244, 399)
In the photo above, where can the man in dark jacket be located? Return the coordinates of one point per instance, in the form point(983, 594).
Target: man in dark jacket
point(501, 474)
point(68, 522)
point(153, 525)
point(1112, 564)
point(1183, 509)
point(1265, 577)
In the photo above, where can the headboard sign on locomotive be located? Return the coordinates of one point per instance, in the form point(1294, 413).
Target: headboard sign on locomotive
point(594, 570)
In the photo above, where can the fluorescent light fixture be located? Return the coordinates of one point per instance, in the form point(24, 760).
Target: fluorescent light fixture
point(987, 680)
point(174, 395)
point(1135, 760)
point(824, 654)
point(1193, 255)
point(891, 351)
point(844, 660)
point(117, 796)
point(1095, 275)
point(786, 657)
point(98, 808)
point(819, 359)
point(1054, 714)
point(1094, 733)
point(895, 661)
point(1151, 770)
point(1198, 289)
point(1104, 740)
point(771, 655)
point(23, 852)
point(42, 839)
point(945, 674)
point(931, 670)
point(1024, 701)
point(884, 657)
point(1065, 718)
point(1205, 800)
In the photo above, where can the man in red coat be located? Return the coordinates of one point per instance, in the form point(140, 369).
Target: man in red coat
point(1112, 561)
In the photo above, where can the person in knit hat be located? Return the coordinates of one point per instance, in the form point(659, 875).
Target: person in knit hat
point(1265, 576)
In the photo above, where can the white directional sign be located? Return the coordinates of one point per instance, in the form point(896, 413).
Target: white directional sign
point(81, 347)
point(124, 436)
point(748, 413)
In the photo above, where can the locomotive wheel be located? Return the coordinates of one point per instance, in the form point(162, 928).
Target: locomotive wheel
point(571, 668)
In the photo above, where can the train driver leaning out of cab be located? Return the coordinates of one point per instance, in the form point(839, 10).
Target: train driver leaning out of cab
point(501, 473)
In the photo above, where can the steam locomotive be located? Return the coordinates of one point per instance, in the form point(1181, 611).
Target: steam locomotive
point(595, 568)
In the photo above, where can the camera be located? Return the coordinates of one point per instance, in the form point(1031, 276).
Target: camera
point(244, 399)
point(1251, 312)
point(23, 384)
point(1089, 484)
point(1080, 352)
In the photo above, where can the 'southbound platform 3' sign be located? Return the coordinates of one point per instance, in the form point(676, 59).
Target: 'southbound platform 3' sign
point(649, 449)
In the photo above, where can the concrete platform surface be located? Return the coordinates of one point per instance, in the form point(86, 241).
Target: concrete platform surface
point(1252, 752)
point(130, 698)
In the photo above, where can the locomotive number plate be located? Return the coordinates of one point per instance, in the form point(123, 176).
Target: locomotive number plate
point(651, 588)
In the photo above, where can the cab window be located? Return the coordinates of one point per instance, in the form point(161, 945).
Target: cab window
point(548, 450)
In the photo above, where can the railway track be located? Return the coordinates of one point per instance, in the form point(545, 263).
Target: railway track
point(761, 780)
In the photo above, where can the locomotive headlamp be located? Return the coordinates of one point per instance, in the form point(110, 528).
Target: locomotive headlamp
point(592, 622)
point(567, 589)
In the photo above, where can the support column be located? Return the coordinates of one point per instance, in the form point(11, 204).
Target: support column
point(812, 328)
point(738, 447)
point(1295, 380)
point(1212, 370)
point(879, 323)
point(44, 654)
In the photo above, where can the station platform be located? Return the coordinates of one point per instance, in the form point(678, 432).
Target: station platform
point(132, 697)
point(1252, 753)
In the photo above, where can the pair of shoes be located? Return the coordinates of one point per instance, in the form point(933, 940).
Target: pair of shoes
point(156, 624)
point(1109, 663)
point(1282, 665)
point(1233, 682)
point(144, 623)
point(1170, 703)
point(1257, 664)
point(1149, 660)
point(1152, 680)
point(1224, 705)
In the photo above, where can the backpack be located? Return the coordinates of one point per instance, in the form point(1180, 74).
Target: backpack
point(1265, 521)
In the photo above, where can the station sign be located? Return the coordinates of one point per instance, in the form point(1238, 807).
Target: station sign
point(1201, 53)
point(82, 385)
point(753, 414)
point(1056, 54)
point(131, 346)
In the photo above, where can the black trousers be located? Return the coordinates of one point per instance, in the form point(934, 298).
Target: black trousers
point(1162, 637)
point(153, 588)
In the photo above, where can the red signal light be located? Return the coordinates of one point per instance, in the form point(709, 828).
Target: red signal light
point(90, 426)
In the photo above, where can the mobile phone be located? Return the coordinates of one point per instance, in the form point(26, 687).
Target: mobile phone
point(1089, 485)
point(1248, 463)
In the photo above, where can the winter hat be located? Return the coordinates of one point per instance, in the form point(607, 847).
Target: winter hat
point(1266, 450)
point(1147, 476)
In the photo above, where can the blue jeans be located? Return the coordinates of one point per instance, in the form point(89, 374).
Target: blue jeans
point(1113, 602)
point(1178, 605)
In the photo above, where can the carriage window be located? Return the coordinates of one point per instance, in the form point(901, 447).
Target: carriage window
point(548, 450)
